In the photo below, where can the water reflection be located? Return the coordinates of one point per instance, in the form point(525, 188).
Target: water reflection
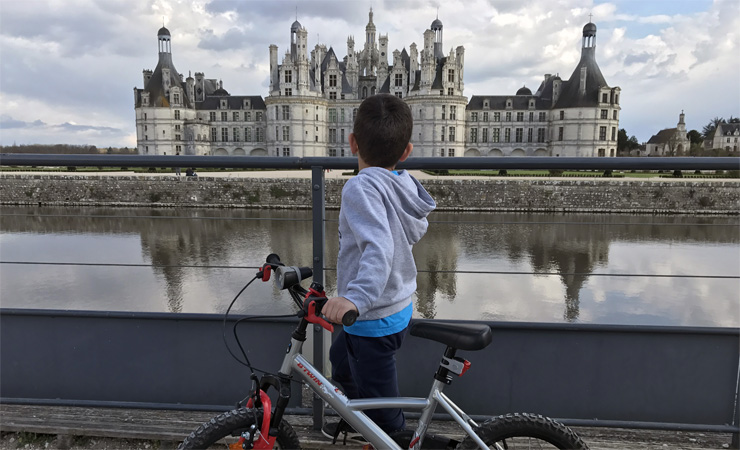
point(549, 260)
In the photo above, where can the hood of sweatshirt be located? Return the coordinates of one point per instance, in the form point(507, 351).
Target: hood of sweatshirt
point(413, 202)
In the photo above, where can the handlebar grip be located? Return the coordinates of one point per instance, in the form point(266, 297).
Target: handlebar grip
point(274, 259)
point(349, 318)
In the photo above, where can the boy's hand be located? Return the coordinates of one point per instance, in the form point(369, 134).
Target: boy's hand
point(335, 308)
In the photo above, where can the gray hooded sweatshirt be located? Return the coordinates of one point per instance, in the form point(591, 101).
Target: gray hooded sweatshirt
point(381, 217)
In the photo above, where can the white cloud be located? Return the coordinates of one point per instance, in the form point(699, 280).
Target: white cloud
point(79, 59)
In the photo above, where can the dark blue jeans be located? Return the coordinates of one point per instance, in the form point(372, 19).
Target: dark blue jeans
point(365, 367)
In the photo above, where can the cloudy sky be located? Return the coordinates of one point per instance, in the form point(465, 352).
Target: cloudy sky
point(68, 67)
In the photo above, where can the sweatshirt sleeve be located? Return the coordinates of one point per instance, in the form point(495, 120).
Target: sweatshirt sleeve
point(366, 217)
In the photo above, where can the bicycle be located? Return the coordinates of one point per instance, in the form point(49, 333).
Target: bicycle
point(257, 425)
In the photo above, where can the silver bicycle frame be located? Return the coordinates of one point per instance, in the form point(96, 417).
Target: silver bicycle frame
point(352, 410)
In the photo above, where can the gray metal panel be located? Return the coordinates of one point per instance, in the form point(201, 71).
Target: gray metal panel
point(167, 359)
point(651, 374)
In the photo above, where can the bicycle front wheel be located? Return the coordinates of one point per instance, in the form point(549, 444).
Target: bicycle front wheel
point(524, 431)
point(226, 428)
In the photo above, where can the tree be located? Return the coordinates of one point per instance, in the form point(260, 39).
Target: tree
point(695, 137)
point(708, 130)
point(624, 144)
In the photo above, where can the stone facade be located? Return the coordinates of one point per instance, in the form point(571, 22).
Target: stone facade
point(727, 137)
point(498, 194)
point(313, 99)
point(670, 141)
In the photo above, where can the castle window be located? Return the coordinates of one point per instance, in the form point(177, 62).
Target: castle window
point(442, 152)
point(562, 115)
point(332, 152)
point(332, 115)
point(235, 116)
point(286, 133)
point(214, 134)
point(529, 135)
point(616, 99)
point(540, 135)
point(531, 117)
point(453, 111)
point(245, 104)
point(451, 152)
point(602, 133)
point(614, 114)
point(602, 152)
point(519, 134)
point(286, 151)
point(177, 114)
point(224, 116)
point(485, 116)
point(474, 116)
point(399, 94)
point(332, 95)
point(288, 92)
point(259, 135)
point(604, 114)
point(332, 80)
point(223, 104)
point(224, 134)
point(176, 98)
point(495, 134)
point(560, 133)
point(443, 112)
point(286, 112)
point(452, 134)
point(288, 76)
point(450, 91)
point(451, 75)
point(341, 115)
point(342, 137)
point(508, 103)
point(604, 98)
point(485, 104)
point(235, 132)
point(332, 135)
point(398, 80)
point(259, 116)
point(442, 92)
point(543, 117)
point(473, 135)
point(212, 116)
point(614, 133)
point(497, 117)
point(520, 117)
point(507, 135)
point(508, 116)
point(177, 127)
point(248, 134)
point(484, 135)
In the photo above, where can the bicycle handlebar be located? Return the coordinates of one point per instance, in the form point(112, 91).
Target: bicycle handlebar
point(290, 278)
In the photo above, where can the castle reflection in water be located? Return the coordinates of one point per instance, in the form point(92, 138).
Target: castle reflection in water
point(511, 267)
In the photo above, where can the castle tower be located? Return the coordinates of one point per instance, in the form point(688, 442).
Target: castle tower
point(438, 46)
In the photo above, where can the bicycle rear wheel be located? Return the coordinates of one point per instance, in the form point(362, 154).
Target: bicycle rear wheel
point(525, 431)
point(226, 428)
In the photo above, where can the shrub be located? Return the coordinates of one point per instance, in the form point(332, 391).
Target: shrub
point(556, 172)
point(677, 174)
point(503, 172)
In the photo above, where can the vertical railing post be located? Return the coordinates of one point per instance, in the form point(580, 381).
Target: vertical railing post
point(318, 216)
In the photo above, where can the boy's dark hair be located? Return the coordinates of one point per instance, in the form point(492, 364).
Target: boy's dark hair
point(383, 129)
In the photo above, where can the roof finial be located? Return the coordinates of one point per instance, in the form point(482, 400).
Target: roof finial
point(589, 18)
point(163, 21)
point(437, 12)
point(296, 12)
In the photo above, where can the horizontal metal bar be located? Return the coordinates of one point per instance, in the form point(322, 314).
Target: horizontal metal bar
point(546, 326)
point(264, 162)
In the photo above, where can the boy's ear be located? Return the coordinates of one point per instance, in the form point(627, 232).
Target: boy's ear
point(406, 152)
point(353, 144)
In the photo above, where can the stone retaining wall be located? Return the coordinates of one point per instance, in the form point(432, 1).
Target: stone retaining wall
point(500, 194)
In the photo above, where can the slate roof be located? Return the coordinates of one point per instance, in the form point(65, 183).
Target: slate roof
point(157, 96)
point(570, 91)
point(663, 136)
point(498, 102)
point(234, 102)
point(730, 128)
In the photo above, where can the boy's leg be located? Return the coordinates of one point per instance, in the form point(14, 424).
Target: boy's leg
point(372, 361)
point(340, 370)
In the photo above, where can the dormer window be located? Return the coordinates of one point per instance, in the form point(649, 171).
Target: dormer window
point(508, 103)
point(223, 103)
point(485, 104)
point(246, 104)
point(145, 99)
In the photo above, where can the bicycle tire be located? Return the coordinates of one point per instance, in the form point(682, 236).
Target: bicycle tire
point(232, 423)
point(522, 430)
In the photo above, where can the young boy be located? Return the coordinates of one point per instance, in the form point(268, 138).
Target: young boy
point(383, 214)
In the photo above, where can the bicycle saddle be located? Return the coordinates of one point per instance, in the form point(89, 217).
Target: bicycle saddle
point(463, 336)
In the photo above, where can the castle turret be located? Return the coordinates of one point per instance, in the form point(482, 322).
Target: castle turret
point(438, 46)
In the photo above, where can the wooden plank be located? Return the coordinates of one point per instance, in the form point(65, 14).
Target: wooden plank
point(170, 425)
